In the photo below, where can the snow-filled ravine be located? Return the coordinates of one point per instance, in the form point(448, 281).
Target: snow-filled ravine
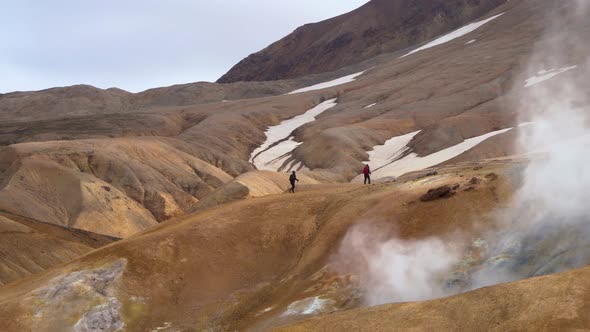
point(280, 143)
point(324, 85)
point(392, 158)
point(545, 75)
point(454, 35)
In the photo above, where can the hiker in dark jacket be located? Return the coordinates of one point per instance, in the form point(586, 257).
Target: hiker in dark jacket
point(292, 179)
point(367, 173)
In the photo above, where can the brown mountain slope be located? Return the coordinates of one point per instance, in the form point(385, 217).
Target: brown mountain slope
point(250, 185)
point(221, 268)
point(112, 187)
point(28, 246)
point(378, 27)
point(447, 92)
point(84, 100)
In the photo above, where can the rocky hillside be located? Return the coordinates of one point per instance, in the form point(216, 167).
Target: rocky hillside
point(378, 27)
point(464, 132)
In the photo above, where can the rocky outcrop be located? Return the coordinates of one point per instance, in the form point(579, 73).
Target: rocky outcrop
point(90, 294)
point(437, 193)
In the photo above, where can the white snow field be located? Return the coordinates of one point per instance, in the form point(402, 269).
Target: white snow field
point(545, 75)
point(369, 106)
point(270, 158)
point(390, 151)
point(324, 85)
point(454, 35)
point(471, 41)
point(384, 159)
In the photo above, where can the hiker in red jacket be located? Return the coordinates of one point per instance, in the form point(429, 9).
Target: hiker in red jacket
point(367, 173)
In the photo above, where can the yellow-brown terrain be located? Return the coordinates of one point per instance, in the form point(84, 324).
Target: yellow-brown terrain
point(150, 212)
point(550, 303)
point(223, 267)
point(28, 246)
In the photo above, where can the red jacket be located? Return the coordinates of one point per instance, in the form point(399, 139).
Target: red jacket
point(366, 170)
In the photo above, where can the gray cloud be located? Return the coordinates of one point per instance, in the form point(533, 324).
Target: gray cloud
point(137, 45)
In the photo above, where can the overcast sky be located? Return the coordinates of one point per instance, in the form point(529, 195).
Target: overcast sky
point(140, 44)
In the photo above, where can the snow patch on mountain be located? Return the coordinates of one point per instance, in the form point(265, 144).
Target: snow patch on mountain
point(390, 151)
point(279, 140)
point(454, 35)
point(329, 84)
point(545, 75)
point(392, 159)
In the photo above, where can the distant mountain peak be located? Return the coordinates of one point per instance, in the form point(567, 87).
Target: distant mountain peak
point(378, 27)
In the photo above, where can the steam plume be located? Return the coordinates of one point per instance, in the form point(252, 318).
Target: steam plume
point(547, 226)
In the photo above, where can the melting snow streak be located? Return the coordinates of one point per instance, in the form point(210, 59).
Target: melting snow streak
point(338, 81)
point(544, 75)
point(454, 35)
point(279, 140)
point(386, 160)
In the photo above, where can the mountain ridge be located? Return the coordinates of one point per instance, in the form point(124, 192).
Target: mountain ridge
point(380, 26)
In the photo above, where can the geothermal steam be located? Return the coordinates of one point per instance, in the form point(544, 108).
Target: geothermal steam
point(547, 227)
point(394, 270)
